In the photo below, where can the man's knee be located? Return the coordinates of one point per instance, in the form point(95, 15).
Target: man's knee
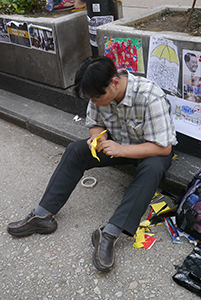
point(77, 150)
point(154, 166)
point(78, 146)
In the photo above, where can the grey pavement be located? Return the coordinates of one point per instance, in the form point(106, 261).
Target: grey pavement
point(58, 266)
point(131, 6)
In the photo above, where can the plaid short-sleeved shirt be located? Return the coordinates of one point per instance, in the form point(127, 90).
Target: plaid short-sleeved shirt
point(144, 115)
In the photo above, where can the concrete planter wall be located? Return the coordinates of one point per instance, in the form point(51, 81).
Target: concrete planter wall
point(120, 29)
point(71, 38)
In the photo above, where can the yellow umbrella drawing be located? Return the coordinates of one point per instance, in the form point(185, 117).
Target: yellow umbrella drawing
point(166, 52)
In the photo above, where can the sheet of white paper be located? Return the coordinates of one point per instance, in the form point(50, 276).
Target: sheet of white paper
point(163, 63)
point(186, 116)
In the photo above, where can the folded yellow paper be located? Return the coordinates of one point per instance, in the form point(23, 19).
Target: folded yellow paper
point(94, 144)
point(143, 239)
point(139, 238)
point(145, 223)
point(158, 206)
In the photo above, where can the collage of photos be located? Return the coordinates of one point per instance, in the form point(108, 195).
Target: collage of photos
point(192, 76)
point(27, 35)
point(41, 38)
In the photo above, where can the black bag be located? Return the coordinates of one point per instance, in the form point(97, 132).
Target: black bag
point(189, 274)
point(188, 214)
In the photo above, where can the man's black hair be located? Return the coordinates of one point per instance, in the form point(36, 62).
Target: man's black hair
point(187, 56)
point(93, 76)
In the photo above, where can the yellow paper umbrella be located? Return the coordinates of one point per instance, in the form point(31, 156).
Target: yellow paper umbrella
point(94, 144)
point(166, 52)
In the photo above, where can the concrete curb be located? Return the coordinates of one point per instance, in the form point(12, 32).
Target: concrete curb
point(46, 121)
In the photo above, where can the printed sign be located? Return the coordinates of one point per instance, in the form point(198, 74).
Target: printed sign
point(93, 23)
point(186, 116)
point(19, 33)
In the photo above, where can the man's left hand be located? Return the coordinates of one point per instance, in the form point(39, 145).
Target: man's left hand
point(110, 148)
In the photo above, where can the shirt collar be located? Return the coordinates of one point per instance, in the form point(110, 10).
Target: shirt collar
point(127, 100)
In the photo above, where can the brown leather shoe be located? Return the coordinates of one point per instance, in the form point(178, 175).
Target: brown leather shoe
point(103, 256)
point(33, 224)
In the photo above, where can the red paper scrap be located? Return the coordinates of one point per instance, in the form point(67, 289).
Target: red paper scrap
point(149, 241)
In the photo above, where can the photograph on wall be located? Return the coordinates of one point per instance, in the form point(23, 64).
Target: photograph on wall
point(126, 53)
point(186, 116)
point(42, 38)
point(4, 35)
point(163, 63)
point(192, 75)
point(19, 33)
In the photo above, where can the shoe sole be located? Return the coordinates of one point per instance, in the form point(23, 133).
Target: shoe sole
point(98, 266)
point(32, 231)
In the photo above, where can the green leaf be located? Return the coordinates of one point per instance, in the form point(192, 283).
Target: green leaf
point(21, 11)
point(6, 1)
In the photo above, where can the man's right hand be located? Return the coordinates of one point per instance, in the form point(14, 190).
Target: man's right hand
point(94, 132)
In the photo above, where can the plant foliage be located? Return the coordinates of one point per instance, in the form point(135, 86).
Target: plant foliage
point(21, 6)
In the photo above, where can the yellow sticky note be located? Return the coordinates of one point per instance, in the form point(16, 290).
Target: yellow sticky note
point(94, 144)
point(157, 206)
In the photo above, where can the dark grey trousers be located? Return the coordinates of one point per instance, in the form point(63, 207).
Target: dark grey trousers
point(77, 158)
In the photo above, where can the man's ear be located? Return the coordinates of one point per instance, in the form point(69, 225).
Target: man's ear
point(115, 82)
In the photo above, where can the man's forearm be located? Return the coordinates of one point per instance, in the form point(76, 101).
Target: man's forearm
point(144, 150)
point(95, 131)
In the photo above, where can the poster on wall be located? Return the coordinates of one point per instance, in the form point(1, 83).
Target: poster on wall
point(186, 116)
point(19, 33)
point(192, 75)
point(126, 53)
point(4, 35)
point(42, 38)
point(163, 63)
point(93, 23)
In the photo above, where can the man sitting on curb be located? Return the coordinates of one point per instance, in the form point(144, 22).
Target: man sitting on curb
point(140, 131)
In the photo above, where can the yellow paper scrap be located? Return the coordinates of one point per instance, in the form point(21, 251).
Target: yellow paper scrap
point(154, 225)
point(94, 144)
point(139, 238)
point(175, 157)
point(145, 223)
point(150, 234)
point(78, 9)
point(157, 206)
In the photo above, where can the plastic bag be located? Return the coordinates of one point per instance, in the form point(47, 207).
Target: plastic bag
point(189, 274)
